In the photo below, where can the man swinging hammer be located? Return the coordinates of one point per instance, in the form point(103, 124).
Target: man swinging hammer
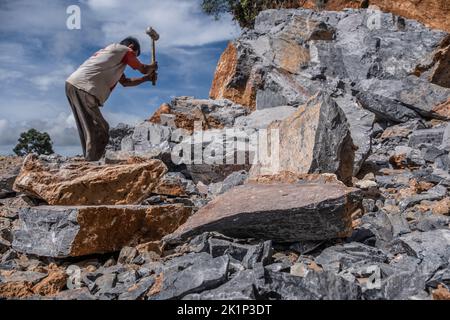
point(89, 87)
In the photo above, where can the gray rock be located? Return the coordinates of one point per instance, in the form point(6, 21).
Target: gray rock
point(8, 175)
point(319, 129)
point(261, 119)
point(117, 134)
point(314, 286)
point(344, 256)
point(430, 222)
point(295, 212)
point(428, 136)
point(183, 262)
point(279, 266)
point(75, 294)
point(432, 248)
point(233, 180)
point(127, 254)
point(199, 277)
point(361, 123)
point(440, 277)
point(291, 54)
point(446, 138)
point(436, 193)
point(212, 155)
point(148, 135)
point(54, 231)
point(400, 286)
point(240, 287)
point(410, 93)
point(23, 276)
point(137, 291)
point(399, 224)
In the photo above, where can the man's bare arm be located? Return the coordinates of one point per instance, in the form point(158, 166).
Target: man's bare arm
point(148, 68)
point(133, 82)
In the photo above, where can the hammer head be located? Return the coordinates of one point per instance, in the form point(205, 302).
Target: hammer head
point(152, 33)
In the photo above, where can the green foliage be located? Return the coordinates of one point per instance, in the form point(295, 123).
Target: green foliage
point(34, 141)
point(244, 11)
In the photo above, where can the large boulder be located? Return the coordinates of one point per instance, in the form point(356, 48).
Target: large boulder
point(85, 183)
point(315, 139)
point(276, 211)
point(77, 231)
point(394, 67)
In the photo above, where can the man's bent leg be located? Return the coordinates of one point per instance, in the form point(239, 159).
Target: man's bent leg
point(77, 110)
point(93, 128)
point(98, 135)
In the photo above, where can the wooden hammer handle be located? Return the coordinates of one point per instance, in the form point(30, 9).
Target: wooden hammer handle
point(153, 57)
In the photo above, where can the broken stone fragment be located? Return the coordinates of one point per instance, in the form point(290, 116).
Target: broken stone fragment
point(84, 183)
point(77, 231)
point(200, 276)
point(278, 212)
point(176, 185)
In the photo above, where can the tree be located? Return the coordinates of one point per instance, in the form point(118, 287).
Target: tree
point(246, 11)
point(34, 141)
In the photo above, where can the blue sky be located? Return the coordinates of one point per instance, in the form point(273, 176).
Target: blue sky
point(38, 53)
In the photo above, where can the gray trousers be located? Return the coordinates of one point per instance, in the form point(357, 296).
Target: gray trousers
point(92, 127)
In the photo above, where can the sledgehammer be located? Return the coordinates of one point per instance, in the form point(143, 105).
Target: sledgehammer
point(155, 37)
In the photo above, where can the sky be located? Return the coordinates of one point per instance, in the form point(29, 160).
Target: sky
point(38, 52)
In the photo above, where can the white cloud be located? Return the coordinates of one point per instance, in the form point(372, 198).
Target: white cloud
point(179, 22)
point(46, 81)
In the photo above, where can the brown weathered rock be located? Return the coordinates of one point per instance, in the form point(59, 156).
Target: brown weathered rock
point(84, 183)
point(280, 212)
point(443, 109)
point(436, 207)
point(441, 293)
point(223, 86)
point(163, 109)
point(315, 139)
point(11, 290)
point(78, 231)
point(52, 284)
point(174, 184)
point(290, 177)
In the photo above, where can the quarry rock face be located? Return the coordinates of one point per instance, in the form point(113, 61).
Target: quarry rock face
point(390, 64)
point(432, 13)
point(76, 231)
point(293, 213)
point(83, 183)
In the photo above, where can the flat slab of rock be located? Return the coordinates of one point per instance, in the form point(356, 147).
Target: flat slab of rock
point(85, 183)
point(280, 212)
point(77, 231)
